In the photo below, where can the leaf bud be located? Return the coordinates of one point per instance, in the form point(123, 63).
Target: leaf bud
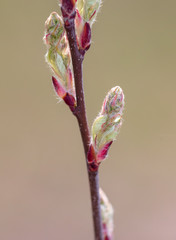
point(58, 58)
point(107, 216)
point(106, 126)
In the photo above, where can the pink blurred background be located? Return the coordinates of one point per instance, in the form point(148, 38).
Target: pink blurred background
point(43, 179)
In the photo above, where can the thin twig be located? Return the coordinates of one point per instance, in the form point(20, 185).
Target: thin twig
point(80, 113)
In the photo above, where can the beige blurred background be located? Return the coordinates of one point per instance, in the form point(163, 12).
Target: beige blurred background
point(43, 179)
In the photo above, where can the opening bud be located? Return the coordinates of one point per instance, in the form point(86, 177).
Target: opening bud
point(106, 126)
point(58, 57)
point(86, 11)
point(107, 216)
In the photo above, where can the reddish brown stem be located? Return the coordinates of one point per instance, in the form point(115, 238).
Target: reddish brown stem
point(80, 113)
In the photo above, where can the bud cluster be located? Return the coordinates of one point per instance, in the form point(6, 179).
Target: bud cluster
point(107, 215)
point(58, 57)
point(84, 12)
point(106, 127)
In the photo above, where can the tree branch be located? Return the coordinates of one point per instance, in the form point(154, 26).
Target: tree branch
point(80, 113)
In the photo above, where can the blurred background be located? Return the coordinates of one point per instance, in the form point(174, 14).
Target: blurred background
point(43, 178)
